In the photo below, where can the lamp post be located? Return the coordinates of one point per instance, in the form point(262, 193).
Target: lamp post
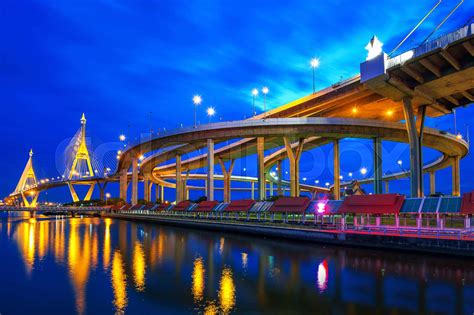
point(265, 91)
point(151, 129)
point(455, 122)
point(197, 100)
point(210, 112)
point(254, 96)
point(107, 196)
point(400, 163)
point(314, 64)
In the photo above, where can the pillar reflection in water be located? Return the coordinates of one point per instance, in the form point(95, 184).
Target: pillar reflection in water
point(30, 244)
point(79, 263)
point(25, 238)
point(226, 291)
point(139, 266)
point(198, 280)
point(59, 246)
point(107, 247)
point(245, 258)
point(119, 283)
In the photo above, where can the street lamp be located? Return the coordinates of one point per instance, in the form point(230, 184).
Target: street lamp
point(107, 196)
point(265, 91)
point(122, 137)
point(210, 112)
point(350, 174)
point(314, 64)
point(363, 171)
point(197, 100)
point(254, 95)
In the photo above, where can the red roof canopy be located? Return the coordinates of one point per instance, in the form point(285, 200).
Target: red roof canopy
point(373, 204)
point(291, 204)
point(182, 205)
point(206, 206)
point(162, 206)
point(467, 205)
point(240, 205)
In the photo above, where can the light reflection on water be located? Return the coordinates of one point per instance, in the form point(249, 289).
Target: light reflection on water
point(110, 266)
point(119, 283)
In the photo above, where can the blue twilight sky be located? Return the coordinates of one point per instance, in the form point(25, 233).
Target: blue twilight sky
point(119, 60)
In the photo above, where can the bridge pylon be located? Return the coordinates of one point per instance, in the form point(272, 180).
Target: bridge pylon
point(26, 184)
point(81, 157)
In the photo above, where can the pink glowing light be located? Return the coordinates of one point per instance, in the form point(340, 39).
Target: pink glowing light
point(321, 207)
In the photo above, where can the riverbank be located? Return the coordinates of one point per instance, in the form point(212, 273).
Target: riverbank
point(451, 245)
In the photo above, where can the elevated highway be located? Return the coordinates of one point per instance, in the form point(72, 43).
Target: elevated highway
point(432, 79)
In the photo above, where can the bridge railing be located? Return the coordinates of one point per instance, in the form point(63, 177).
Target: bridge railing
point(52, 209)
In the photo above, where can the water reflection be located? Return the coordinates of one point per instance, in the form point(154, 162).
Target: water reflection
point(198, 280)
point(176, 270)
point(227, 291)
point(323, 276)
point(139, 266)
point(79, 262)
point(119, 283)
point(107, 244)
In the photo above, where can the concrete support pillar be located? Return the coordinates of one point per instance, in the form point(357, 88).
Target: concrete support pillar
point(134, 181)
point(157, 192)
point(227, 178)
point(415, 135)
point(261, 167)
point(184, 189)
point(337, 170)
point(387, 187)
point(279, 174)
point(467, 222)
point(432, 183)
point(146, 189)
point(210, 169)
point(397, 220)
point(294, 160)
point(162, 194)
point(123, 184)
point(271, 189)
point(179, 185)
point(456, 177)
point(252, 190)
point(102, 188)
point(378, 166)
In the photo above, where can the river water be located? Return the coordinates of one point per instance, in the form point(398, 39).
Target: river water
point(105, 266)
